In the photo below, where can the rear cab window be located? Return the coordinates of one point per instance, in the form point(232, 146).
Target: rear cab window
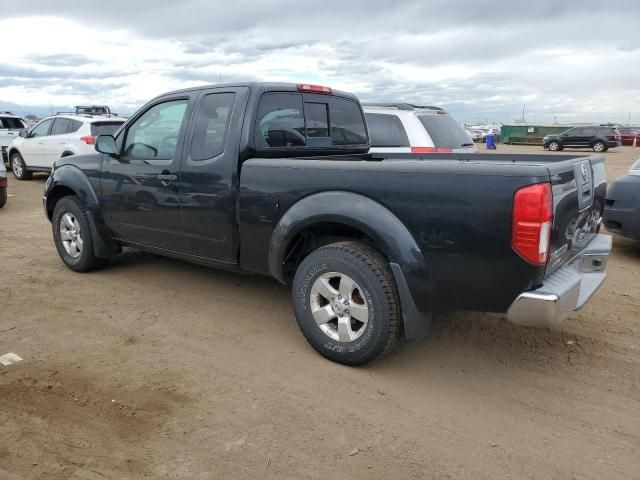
point(287, 120)
point(444, 131)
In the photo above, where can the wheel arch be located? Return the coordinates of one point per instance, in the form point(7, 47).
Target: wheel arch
point(70, 180)
point(13, 150)
point(337, 215)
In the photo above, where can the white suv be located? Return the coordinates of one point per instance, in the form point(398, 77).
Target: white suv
point(10, 126)
point(58, 136)
point(406, 128)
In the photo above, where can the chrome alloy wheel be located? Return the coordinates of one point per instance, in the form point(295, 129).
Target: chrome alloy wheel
point(339, 307)
point(71, 235)
point(16, 165)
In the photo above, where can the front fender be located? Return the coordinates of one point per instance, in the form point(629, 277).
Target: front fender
point(72, 178)
point(69, 179)
point(388, 232)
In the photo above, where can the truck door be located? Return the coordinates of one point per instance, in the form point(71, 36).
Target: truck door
point(209, 174)
point(141, 188)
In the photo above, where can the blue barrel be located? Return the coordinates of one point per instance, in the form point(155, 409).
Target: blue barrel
point(490, 139)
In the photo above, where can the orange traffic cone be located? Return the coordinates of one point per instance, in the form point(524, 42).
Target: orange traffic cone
point(635, 142)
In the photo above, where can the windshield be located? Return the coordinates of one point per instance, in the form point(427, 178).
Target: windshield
point(445, 131)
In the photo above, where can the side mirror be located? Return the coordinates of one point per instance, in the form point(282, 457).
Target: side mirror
point(24, 133)
point(106, 144)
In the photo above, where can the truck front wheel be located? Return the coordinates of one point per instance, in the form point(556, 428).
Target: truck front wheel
point(72, 235)
point(346, 303)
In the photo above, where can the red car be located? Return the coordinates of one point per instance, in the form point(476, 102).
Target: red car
point(628, 134)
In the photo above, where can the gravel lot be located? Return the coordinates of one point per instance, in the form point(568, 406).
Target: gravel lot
point(161, 369)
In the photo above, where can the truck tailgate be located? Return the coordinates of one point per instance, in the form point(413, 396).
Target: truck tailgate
point(579, 188)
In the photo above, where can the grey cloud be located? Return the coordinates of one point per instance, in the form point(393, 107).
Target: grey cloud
point(63, 60)
point(370, 40)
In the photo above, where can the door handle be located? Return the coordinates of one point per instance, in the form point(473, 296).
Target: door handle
point(166, 178)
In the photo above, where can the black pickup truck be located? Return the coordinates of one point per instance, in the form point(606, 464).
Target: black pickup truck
point(276, 179)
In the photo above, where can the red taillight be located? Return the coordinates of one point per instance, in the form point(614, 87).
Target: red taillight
point(532, 220)
point(306, 87)
point(89, 139)
point(430, 150)
point(3, 182)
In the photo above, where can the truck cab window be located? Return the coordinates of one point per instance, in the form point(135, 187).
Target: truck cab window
point(155, 134)
point(347, 122)
point(280, 121)
point(212, 124)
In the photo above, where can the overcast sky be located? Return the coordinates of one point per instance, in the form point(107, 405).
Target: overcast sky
point(576, 60)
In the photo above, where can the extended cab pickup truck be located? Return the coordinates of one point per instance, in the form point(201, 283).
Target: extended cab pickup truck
point(276, 179)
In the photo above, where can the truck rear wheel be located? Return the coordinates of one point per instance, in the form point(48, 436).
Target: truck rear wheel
point(72, 235)
point(346, 303)
point(3, 196)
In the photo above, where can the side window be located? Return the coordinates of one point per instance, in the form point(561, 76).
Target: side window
point(347, 122)
point(588, 132)
point(155, 134)
point(60, 126)
point(212, 124)
point(74, 126)
point(386, 130)
point(280, 121)
point(12, 123)
point(41, 129)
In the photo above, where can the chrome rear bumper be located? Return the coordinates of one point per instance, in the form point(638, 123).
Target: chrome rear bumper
point(566, 290)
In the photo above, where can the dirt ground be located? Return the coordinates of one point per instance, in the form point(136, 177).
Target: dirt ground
point(153, 368)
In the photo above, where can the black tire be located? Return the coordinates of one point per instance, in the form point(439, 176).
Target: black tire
point(86, 260)
point(599, 147)
point(3, 196)
point(20, 173)
point(375, 289)
point(554, 146)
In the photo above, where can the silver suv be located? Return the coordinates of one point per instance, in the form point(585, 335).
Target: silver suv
point(406, 128)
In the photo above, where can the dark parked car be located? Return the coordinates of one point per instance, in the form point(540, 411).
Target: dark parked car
point(629, 134)
point(622, 207)
point(276, 179)
point(600, 139)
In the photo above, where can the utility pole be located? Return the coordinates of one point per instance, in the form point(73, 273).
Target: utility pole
point(523, 105)
point(629, 120)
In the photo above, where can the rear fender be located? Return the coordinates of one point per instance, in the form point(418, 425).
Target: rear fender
point(374, 220)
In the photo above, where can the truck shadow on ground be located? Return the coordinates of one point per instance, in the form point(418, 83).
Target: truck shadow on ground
point(471, 336)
